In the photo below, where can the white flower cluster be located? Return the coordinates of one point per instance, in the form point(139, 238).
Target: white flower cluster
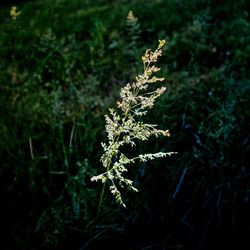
point(123, 126)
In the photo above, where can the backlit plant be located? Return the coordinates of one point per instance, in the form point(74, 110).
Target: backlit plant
point(124, 126)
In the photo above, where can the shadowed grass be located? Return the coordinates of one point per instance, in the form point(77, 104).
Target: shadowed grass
point(61, 66)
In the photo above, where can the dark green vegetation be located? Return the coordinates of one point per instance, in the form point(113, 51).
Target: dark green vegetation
point(62, 65)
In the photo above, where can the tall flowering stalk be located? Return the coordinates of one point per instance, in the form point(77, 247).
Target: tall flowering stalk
point(124, 127)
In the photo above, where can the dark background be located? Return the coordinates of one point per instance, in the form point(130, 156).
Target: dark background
point(62, 66)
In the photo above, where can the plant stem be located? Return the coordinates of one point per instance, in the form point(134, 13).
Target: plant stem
point(101, 199)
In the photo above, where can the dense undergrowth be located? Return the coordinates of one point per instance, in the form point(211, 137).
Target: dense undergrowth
point(62, 66)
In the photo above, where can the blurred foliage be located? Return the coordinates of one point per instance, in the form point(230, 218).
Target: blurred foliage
point(62, 65)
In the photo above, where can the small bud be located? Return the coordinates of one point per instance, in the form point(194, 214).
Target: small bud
point(14, 13)
point(161, 43)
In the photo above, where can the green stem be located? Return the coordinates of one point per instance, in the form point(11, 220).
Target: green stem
point(101, 199)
